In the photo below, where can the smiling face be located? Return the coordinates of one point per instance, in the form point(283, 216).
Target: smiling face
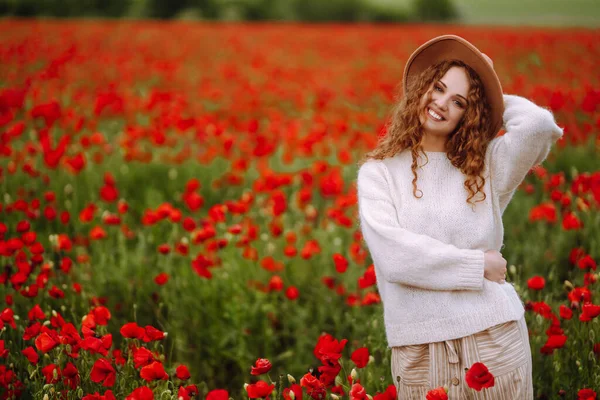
point(448, 100)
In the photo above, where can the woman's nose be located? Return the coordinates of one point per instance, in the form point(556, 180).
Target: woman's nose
point(441, 104)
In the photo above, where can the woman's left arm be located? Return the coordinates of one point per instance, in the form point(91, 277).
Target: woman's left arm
point(530, 133)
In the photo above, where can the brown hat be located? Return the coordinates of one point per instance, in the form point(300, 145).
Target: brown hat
point(452, 46)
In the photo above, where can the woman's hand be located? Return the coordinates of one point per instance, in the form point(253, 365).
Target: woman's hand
point(494, 266)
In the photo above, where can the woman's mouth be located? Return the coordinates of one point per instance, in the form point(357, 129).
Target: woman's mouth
point(434, 116)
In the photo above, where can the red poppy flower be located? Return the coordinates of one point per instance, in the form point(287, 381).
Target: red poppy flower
point(31, 355)
point(161, 278)
point(341, 264)
point(261, 366)
point(3, 351)
point(49, 112)
point(276, 283)
point(23, 226)
point(101, 315)
point(108, 395)
point(588, 312)
point(46, 342)
point(358, 392)
point(153, 371)
point(87, 214)
point(76, 163)
point(389, 394)
point(220, 394)
point(368, 279)
point(51, 373)
point(576, 254)
point(182, 372)
point(437, 394)
point(118, 357)
point(292, 292)
point(259, 390)
point(164, 248)
point(98, 233)
point(142, 357)
point(536, 283)
point(7, 316)
point(103, 371)
point(571, 221)
point(543, 212)
point(141, 393)
point(554, 342)
point(36, 313)
point(478, 377)
point(328, 372)
point(70, 376)
point(314, 387)
point(586, 394)
point(56, 293)
point(131, 330)
point(297, 389)
point(580, 295)
point(188, 392)
point(151, 333)
point(587, 262)
point(328, 349)
point(32, 331)
point(360, 357)
point(565, 312)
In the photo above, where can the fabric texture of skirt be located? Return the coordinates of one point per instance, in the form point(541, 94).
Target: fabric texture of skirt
point(503, 348)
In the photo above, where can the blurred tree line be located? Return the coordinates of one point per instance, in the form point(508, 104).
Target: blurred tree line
point(239, 10)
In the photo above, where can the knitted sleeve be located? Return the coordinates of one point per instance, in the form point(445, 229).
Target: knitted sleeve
point(402, 256)
point(530, 133)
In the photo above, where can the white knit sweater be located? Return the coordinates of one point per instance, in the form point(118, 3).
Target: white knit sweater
point(429, 252)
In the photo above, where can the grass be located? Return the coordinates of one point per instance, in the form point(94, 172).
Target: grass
point(557, 13)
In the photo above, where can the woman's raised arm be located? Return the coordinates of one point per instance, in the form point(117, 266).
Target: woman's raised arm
point(530, 133)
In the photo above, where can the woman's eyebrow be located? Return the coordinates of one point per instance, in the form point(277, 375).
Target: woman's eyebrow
point(447, 87)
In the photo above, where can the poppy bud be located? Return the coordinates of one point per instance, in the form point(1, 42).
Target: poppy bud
point(568, 285)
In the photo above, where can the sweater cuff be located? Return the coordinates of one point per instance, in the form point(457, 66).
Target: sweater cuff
point(471, 274)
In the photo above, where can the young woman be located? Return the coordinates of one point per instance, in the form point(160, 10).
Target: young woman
point(431, 197)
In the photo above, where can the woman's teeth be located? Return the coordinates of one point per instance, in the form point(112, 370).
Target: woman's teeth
point(434, 114)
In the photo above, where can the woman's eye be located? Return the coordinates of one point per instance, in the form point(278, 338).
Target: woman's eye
point(458, 103)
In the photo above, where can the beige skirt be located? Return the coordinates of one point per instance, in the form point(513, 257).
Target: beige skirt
point(504, 349)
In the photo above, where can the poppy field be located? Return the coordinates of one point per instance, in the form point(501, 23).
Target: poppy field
point(178, 212)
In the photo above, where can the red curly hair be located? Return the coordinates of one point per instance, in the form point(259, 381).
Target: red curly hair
point(466, 146)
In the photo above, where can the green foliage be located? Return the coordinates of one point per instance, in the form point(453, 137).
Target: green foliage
point(434, 10)
point(249, 10)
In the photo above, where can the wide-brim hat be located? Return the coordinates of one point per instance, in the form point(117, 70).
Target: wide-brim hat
point(451, 46)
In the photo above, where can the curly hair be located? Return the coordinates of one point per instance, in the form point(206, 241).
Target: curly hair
point(466, 145)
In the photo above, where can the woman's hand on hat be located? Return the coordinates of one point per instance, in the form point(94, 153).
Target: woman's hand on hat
point(494, 266)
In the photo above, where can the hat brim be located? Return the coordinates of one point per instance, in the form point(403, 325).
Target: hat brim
point(452, 46)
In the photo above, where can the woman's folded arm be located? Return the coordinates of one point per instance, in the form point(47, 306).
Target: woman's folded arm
point(406, 257)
